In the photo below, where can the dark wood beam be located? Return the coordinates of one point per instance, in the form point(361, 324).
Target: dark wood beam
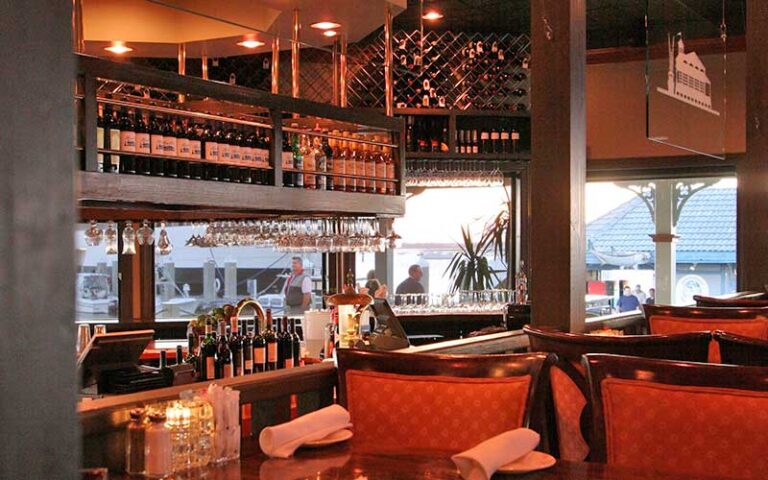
point(702, 46)
point(751, 171)
point(558, 170)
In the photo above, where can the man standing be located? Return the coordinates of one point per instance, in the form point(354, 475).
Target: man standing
point(297, 289)
point(651, 296)
point(628, 302)
point(640, 294)
point(411, 284)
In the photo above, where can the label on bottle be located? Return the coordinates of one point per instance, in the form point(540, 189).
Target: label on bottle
point(248, 365)
point(483, 135)
point(211, 151)
point(287, 160)
point(225, 153)
point(157, 144)
point(247, 154)
point(494, 135)
point(182, 144)
point(100, 137)
point(362, 184)
point(259, 355)
point(227, 371)
point(194, 148)
point(515, 135)
point(475, 149)
point(210, 368)
point(289, 362)
point(128, 141)
point(171, 145)
point(235, 153)
point(381, 170)
point(143, 143)
point(272, 352)
point(261, 156)
point(504, 135)
point(321, 163)
point(309, 166)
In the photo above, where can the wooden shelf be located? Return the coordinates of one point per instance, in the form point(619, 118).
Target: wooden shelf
point(461, 113)
point(467, 156)
point(126, 195)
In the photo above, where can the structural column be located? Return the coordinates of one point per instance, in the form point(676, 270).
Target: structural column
point(751, 170)
point(666, 256)
point(558, 167)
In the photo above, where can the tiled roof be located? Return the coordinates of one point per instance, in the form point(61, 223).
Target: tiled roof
point(707, 229)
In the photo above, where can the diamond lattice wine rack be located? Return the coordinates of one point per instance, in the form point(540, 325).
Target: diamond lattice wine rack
point(452, 70)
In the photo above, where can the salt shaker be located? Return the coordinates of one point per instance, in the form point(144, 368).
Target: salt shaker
point(158, 451)
point(134, 443)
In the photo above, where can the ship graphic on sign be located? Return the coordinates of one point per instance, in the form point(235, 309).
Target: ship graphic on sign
point(687, 78)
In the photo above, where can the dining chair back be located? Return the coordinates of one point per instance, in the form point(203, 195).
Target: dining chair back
point(741, 350)
point(679, 417)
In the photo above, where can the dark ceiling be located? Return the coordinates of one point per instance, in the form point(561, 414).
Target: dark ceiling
point(610, 23)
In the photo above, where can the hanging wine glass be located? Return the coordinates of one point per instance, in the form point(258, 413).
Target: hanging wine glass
point(146, 236)
point(164, 246)
point(129, 239)
point(111, 238)
point(93, 235)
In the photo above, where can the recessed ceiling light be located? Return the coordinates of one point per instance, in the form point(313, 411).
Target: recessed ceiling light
point(250, 43)
point(325, 25)
point(330, 33)
point(118, 47)
point(432, 15)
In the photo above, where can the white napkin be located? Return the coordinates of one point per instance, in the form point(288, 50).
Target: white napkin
point(482, 460)
point(282, 440)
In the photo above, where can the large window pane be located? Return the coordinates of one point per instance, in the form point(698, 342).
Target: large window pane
point(96, 285)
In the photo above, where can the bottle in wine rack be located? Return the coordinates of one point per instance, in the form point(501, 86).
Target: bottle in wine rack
point(361, 156)
point(259, 348)
point(225, 152)
point(270, 341)
point(298, 162)
point(325, 146)
point(460, 142)
point(339, 182)
point(485, 142)
point(210, 152)
point(390, 165)
point(506, 146)
point(519, 92)
point(156, 144)
point(310, 179)
point(321, 164)
point(381, 168)
point(127, 141)
point(495, 141)
point(350, 166)
point(112, 139)
point(171, 141)
point(100, 140)
point(514, 139)
point(195, 153)
point(370, 168)
point(475, 145)
point(287, 161)
point(143, 146)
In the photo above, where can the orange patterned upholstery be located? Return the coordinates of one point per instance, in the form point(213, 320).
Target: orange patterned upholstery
point(392, 412)
point(569, 403)
point(721, 432)
point(665, 325)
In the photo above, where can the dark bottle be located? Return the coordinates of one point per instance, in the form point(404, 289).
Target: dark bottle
point(287, 161)
point(103, 122)
point(236, 349)
point(170, 148)
point(165, 371)
point(298, 162)
point(225, 154)
point(157, 145)
point(247, 351)
point(175, 167)
point(485, 142)
point(259, 349)
point(192, 357)
point(495, 141)
point(127, 141)
point(475, 147)
point(285, 346)
point(519, 92)
point(210, 170)
point(208, 355)
point(295, 344)
point(143, 146)
point(270, 340)
point(179, 355)
point(224, 354)
point(186, 170)
point(506, 145)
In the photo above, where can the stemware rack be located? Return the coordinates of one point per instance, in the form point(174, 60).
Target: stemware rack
point(104, 195)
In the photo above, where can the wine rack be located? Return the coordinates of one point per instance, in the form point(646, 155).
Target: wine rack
point(492, 75)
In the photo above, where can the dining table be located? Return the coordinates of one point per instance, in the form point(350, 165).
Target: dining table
point(343, 462)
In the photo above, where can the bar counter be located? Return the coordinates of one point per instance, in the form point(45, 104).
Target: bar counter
point(343, 462)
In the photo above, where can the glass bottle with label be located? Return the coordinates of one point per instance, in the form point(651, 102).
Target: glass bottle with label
point(390, 162)
point(286, 346)
point(224, 354)
point(287, 161)
point(347, 157)
point(295, 344)
point(259, 348)
point(381, 168)
point(100, 142)
point(321, 164)
point(309, 167)
point(338, 183)
point(195, 152)
point(247, 351)
point(236, 349)
point(360, 158)
point(127, 141)
point(143, 146)
point(112, 138)
point(208, 355)
point(298, 162)
point(270, 341)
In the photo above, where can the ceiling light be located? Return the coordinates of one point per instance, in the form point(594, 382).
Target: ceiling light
point(118, 47)
point(330, 33)
point(325, 25)
point(432, 15)
point(250, 43)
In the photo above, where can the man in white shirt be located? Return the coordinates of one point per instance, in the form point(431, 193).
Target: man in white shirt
point(297, 289)
point(640, 294)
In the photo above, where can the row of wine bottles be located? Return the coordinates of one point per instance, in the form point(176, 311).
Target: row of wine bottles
point(324, 163)
point(235, 351)
point(429, 134)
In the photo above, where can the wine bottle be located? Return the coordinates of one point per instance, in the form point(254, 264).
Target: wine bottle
point(223, 354)
point(475, 146)
point(236, 348)
point(179, 355)
point(248, 351)
point(381, 169)
point(506, 146)
point(388, 160)
point(270, 341)
point(208, 355)
point(143, 146)
point(127, 141)
point(170, 148)
point(361, 158)
point(225, 147)
point(165, 371)
point(281, 353)
point(514, 138)
point(295, 344)
point(286, 342)
point(325, 145)
point(192, 357)
point(287, 161)
point(370, 168)
point(309, 165)
point(173, 144)
point(485, 141)
point(298, 162)
point(195, 153)
point(100, 140)
point(112, 138)
point(339, 182)
point(321, 164)
point(350, 164)
point(495, 141)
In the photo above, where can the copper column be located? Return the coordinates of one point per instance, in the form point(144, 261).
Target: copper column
point(388, 87)
point(276, 65)
point(343, 72)
point(78, 40)
point(204, 62)
point(182, 58)
point(335, 65)
point(295, 53)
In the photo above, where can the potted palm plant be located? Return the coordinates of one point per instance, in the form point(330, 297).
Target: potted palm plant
point(469, 268)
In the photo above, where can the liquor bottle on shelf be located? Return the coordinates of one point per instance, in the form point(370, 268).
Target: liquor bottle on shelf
point(127, 141)
point(175, 140)
point(247, 350)
point(360, 157)
point(325, 146)
point(444, 139)
point(495, 141)
point(225, 149)
point(461, 146)
point(350, 164)
point(223, 354)
point(163, 367)
point(390, 163)
point(514, 140)
point(310, 179)
point(236, 349)
point(321, 164)
point(370, 168)
point(192, 357)
point(156, 145)
point(506, 146)
point(475, 146)
point(287, 161)
point(208, 355)
point(298, 162)
point(179, 355)
point(111, 139)
point(100, 143)
point(194, 167)
point(339, 183)
point(282, 352)
point(295, 344)
point(270, 340)
point(381, 168)
point(485, 142)
point(211, 152)
point(235, 139)
point(143, 145)
point(259, 348)
point(183, 147)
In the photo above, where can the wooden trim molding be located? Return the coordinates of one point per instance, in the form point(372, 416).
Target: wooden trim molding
point(664, 237)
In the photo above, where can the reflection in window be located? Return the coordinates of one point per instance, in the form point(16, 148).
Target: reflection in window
point(96, 283)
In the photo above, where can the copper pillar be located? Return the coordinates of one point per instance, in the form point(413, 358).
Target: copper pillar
point(295, 53)
point(204, 62)
point(335, 66)
point(389, 97)
point(343, 72)
point(276, 65)
point(182, 58)
point(78, 40)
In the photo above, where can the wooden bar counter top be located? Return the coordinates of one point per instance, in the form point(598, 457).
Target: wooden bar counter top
point(340, 462)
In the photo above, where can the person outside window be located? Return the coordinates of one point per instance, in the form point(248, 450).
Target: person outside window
point(297, 289)
point(628, 302)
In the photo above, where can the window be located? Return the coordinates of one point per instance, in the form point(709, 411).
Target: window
point(96, 284)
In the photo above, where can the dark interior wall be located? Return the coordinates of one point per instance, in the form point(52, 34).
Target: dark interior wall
point(39, 434)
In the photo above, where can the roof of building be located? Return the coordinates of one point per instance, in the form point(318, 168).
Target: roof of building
point(707, 229)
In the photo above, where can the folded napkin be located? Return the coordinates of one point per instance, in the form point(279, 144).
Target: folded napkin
point(481, 461)
point(282, 440)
